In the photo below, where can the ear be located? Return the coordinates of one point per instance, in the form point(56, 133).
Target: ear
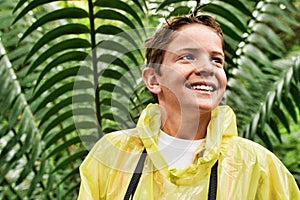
point(150, 78)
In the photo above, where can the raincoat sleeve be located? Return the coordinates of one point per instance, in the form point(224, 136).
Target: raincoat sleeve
point(89, 173)
point(277, 182)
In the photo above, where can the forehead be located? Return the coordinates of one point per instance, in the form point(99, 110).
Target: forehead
point(195, 36)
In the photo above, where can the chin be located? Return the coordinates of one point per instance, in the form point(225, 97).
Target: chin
point(199, 106)
point(207, 106)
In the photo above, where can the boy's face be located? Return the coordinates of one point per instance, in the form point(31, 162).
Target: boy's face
point(192, 74)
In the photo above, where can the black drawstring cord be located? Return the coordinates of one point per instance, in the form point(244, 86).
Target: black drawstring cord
point(136, 177)
point(213, 182)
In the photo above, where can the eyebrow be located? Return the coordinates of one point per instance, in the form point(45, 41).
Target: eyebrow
point(218, 53)
point(182, 50)
point(197, 50)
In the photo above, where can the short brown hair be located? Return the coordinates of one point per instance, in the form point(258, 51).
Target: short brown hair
point(157, 44)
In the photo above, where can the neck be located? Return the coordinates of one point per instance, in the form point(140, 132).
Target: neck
point(185, 124)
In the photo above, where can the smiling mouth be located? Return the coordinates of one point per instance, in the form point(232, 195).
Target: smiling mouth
point(202, 87)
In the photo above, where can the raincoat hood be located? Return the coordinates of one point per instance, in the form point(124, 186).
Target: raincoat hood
point(222, 124)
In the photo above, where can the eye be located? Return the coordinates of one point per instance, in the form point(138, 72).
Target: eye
point(188, 57)
point(217, 60)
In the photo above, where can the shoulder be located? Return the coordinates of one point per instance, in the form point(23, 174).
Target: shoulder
point(248, 160)
point(126, 139)
point(243, 148)
point(117, 150)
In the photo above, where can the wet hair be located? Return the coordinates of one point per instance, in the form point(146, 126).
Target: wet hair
point(157, 44)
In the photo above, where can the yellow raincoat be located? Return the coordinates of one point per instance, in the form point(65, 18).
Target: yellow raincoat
point(246, 170)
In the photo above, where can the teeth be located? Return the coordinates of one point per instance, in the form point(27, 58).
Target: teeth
point(202, 87)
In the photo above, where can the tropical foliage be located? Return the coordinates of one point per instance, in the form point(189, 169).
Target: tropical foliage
point(70, 72)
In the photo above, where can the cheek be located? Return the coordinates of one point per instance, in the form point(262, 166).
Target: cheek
point(174, 74)
point(222, 78)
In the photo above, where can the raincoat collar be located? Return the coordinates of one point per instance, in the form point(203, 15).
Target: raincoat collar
point(222, 124)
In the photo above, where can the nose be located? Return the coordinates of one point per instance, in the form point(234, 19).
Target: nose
point(204, 67)
point(205, 73)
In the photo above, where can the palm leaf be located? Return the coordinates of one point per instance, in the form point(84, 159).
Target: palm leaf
point(18, 106)
point(49, 77)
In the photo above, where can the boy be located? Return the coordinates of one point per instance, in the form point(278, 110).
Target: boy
point(187, 138)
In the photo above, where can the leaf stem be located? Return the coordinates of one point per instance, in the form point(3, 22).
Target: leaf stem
point(95, 68)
